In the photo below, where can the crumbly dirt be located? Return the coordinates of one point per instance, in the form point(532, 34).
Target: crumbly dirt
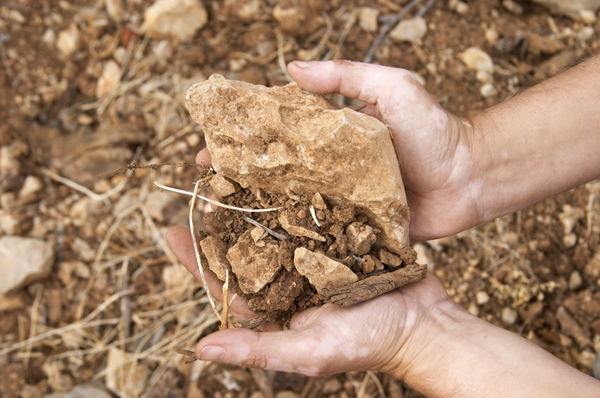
point(523, 262)
point(291, 292)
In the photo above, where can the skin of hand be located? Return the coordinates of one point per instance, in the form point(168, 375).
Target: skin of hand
point(433, 146)
point(415, 333)
point(329, 339)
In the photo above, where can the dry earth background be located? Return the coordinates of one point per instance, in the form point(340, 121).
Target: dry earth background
point(88, 87)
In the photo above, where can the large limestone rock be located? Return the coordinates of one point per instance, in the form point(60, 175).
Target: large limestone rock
point(284, 138)
point(23, 261)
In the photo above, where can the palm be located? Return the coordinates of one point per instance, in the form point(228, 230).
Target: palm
point(327, 339)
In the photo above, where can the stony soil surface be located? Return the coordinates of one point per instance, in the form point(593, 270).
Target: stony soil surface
point(85, 91)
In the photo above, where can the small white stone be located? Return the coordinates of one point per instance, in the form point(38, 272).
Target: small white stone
point(487, 90)
point(49, 37)
point(108, 82)
point(482, 297)
point(491, 35)
point(569, 217)
point(484, 77)
point(114, 9)
point(410, 30)
point(509, 316)
point(575, 280)
point(423, 256)
point(512, 7)
point(192, 140)
point(461, 8)
point(476, 59)
point(68, 41)
point(83, 249)
point(16, 16)
point(120, 55)
point(23, 261)
point(569, 240)
point(473, 309)
point(31, 186)
point(367, 19)
point(179, 19)
point(587, 16)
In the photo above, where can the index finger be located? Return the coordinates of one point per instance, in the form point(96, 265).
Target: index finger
point(203, 158)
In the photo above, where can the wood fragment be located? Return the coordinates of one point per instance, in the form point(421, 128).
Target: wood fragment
point(252, 323)
point(191, 355)
point(374, 286)
point(269, 230)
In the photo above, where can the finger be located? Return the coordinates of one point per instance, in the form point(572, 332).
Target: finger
point(180, 241)
point(366, 82)
point(203, 158)
point(216, 198)
point(308, 351)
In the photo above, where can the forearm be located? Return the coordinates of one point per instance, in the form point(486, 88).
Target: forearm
point(539, 143)
point(472, 358)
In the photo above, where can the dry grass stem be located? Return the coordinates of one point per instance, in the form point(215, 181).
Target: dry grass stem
point(377, 383)
point(280, 58)
point(270, 231)
point(386, 28)
point(225, 315)
point(197, 251)
point(336, 50)
point(314, 215)
point(214, 201)
point(315, 51)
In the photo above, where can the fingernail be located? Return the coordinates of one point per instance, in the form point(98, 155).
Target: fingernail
point(302, 64)
point(212, 353)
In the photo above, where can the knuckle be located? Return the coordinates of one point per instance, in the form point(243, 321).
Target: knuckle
point(256, 360)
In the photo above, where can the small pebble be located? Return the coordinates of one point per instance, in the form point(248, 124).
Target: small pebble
point(487, 90)
point(320, 214)
point(575, 280)
point(512, 7)
point(301, 214)
point(509, 316)
point(461, 8)
point(473, 309)
point(482, 297)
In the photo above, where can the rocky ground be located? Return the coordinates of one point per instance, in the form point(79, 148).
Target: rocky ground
point(92, 299)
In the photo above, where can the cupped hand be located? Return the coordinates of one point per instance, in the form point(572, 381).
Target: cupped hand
point(434, 147)
point(389, 333)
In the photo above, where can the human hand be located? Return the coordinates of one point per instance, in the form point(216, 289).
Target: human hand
point(388, 333)
point(434, 147)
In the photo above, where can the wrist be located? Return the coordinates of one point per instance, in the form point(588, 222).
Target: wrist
point(426, 342)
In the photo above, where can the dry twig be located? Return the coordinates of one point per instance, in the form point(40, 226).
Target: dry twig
point(214, 201)
point(390, 24)
point(197, 251)
point(270, 231)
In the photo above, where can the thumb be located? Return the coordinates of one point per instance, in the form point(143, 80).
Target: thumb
point(309, 351)
point(289, 351)
point(365, 82)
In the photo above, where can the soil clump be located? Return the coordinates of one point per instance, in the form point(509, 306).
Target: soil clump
point(336, 260)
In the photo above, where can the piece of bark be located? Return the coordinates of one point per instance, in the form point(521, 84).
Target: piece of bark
point(252, 323)
point(374, 286)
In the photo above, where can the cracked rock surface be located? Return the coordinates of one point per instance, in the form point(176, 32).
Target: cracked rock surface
point(284, 139)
